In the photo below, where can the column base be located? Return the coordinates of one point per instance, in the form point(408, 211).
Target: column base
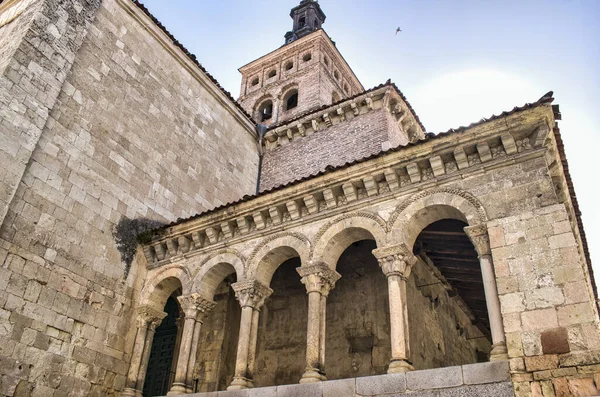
point(240, 383)
point(499, 352)
point(313, 375)
point(177, 389)
point(129, 392)
point(400, 365)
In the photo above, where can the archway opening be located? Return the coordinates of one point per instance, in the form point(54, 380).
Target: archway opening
point(163, 356)
point(217, 345)
point(447, 313)
point(281, 347)
point(358, 325)
point(291, 99)
point(265, 110)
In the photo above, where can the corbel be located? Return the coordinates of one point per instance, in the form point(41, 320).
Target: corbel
point(437, 165)
point(350, 192)
point(311, 204)
point(293, 209)
point(275, 214)
point(355, 108)
point(341, 114)
point(226, 228)
point(315, 125)
point(392, 178)
point(329, 198)
point(259, 220)
point(243, 225)
point(371, 186)
point(301, 129)
point(510, 147)
point(212, 234)
point(172, 246)
point(327, 119)
point(461, 158)
point(414, 172)
point(484, 151)
point(184, 243)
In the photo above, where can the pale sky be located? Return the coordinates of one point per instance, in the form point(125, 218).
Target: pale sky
point(455, 60)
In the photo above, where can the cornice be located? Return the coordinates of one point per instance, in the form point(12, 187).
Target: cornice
point(146, 22)
point(397, 174)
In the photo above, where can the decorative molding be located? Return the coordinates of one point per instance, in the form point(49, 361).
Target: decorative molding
point(196, 306)
point(251, 293)
point(358, 214)
point(264, 242)
point(453, 191)
point(318, 278)
point(480, 238)
point(149, 317)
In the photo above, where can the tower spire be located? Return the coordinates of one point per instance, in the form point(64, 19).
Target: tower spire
point(307, 17)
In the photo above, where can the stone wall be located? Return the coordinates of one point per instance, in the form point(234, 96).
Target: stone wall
point(133, 129)
point(358, 138)
point(484, 379)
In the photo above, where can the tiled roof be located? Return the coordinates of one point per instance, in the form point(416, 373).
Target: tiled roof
point(428, 137)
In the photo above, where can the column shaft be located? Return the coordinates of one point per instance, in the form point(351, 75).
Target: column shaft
point(492, 300)
point(312, 373)
point(322, 331)
point(240, 380)
point(136, 357)
point(397, 315)
point(252, 346)
point(179, 386)
point(193, 356)
point(145, 358)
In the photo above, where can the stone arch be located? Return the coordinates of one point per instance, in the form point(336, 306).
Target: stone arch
point(260, 103)
point(214, 269)
point(422, 209)
point(337, 235)
point(162, 285)
point(273, 251)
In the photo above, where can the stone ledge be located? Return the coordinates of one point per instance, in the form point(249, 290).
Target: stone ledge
point(483, 379)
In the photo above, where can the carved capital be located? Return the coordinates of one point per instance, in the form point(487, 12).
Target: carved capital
point(251, 293)
point(196, 306)
point(318, 278)
point(480, 239)
point(395, 260)
point(149, 317)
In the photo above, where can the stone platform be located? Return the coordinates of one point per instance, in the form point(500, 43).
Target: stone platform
point(475, 380)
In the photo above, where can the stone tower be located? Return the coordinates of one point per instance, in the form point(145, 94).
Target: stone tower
point(306, 73)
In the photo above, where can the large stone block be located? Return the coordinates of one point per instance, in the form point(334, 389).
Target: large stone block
point(492, 372)
point(434, 378)
point(504, 389)
point(263, 392)
point(301, 390)
point(339, 388)
point(382, 384)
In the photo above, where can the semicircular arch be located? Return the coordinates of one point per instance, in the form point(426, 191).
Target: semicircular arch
point(157, 289)
point(270, 253)
point(337, 235)
point(214, 269)
point(427, 207)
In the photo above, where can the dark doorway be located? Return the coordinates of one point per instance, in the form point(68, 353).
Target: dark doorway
point(160, 365)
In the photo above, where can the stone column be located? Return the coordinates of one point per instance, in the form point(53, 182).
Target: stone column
point(251, 295)
point(397, 262)
point(147, 320)
point(193, 306)
point(204, 307)
point(480, 239)
point(318, 279)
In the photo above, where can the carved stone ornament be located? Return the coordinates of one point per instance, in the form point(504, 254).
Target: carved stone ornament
point(396, 260)
point(149, 317)
point(196, 306)
point(318, 278)
point(480, 239)
point(251, 293)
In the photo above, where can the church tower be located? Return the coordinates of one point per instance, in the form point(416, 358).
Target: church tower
point(306, 73)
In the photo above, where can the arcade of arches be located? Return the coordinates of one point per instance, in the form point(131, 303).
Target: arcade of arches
point(356, 300)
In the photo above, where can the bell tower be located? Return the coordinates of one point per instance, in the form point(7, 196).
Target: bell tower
point(307, 17)
point(306, 73)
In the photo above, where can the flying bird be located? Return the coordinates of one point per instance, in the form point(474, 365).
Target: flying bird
point(398, 30)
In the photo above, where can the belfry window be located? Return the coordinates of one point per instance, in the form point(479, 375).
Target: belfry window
point(266, 111)
point(272, 73)
point(255, 82)
point(301, 23)
point(291, 99)
point(289, 65)
point(307, 57)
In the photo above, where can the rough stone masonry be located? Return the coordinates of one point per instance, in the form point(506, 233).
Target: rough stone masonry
point(365, 257)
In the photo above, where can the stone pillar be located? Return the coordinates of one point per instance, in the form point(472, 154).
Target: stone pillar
point(195, 307)
point(251, 295)
point(480, 239)
point(397, 262)
point(318, 279)
point(147, 320)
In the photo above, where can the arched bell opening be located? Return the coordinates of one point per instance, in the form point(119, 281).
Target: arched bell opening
point(164, 350)
point(447, 317)
point(281, 347)
point(358, 325)
point(217, 343)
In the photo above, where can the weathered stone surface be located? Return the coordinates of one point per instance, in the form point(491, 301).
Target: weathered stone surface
point(540, 363)
point(383, 384)
point(434, 378)
point(305, 390)
point(493, 372)
point(493, 390)
point(555, 341)
point(338, 388)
